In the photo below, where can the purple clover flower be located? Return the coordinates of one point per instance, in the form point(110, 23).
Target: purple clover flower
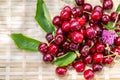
point(108, 36)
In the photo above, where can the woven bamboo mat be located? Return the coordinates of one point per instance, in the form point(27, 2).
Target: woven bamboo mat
point(18, 16)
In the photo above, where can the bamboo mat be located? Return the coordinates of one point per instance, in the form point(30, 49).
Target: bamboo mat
point(18, 16)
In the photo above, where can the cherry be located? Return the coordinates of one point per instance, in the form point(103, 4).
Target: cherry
point(75, 26)
point(107, 4)
point(48, 58)
point(65, 15)
point(96, 15)
point(117, 41)
point(61, 71)
point(98, 8)
point(79, 2)
point(59, 39)
point(86, 16)
point(93, 50)
point(87, 59)
point(73, 46)
point(93, 22)
point(43, 48)
point(82, 21)
point(65, 46)
point(87, 7)
point(113, 16)
point(52, 48)
point(105, 18)
point(67, 8)
point(90, 42)
point(116, 49)
point(97, 67)
point(79, 66)
point(98, 29)
point(90, 32)
point(59, 31)
point(60, 54)
point(100, 47)
point(77, 12)
point(88, 74)
point(57, 21)
point(98, 57)
point(108, 60)
point(84, 50)
point(77, 37)
point(49, 37)
point(66, 26)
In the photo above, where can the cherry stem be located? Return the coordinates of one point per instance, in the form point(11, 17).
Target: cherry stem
point(87, 12)
point(78, 54)
point(116, 20)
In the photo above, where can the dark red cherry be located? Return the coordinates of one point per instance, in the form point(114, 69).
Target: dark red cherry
point(93, 22)
point(77, 12)
point(82, 21)
point(65, 46)
point(98, 57)
point(90, 42)
point(88, 74)
point(67, 8)
point(87, 7)
point(96, 15)
point(116, 49)
point(73, 46)
point(87, 59)
point(117, 41)
point(90, 32)
point(66, 26)
point(105, 18)
point(79, 2)
point(98, 8)
point(98, 29)
point(107, 4)
point(84, 51)
point(57, 21)
point(113, 16)
point(100, 47)
point(77, 37)
point(93, 50)
point(61, 71)
point(52, 48)
point(59, 39)
point(75, 26)
point(108, 60)
point(86, 16)
point(43, 48)
point(65, 15)
point(79, 66)
point(97, 67)
point(59, 31)
point(48, 58)
point(49, 37)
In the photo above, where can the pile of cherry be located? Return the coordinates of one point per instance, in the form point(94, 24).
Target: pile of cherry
point(79, 29)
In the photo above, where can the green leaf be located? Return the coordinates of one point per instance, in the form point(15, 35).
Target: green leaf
point(43, 17)
point(66, 59)
point(25, 43)
point(110, 27)
point(118, 33)
point(118, 8)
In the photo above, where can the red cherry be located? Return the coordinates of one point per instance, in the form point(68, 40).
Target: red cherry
point(65, 15)
point(105, 18)
point(79, 66)
point(96, 15)
point(66, 26)
point(98, 57)
point(87, 59)
point(59, 39)
point(98, 8)
point(77, 12)
point(100, 47)
point(77, 37)
point(113, 16)
point(117, 41)
point(97, 67)
point(61, 71)
point(108, 60)
point(79, 2)
point(67, 8)
point(75, 26)
point(43, 48)
point(84, 50)
point(87, 7)
point(48, 58)
point(88, 74)
point(57, 21)
point(82, 21)
point(107, 4)
point(52, 48)
point(116, 49)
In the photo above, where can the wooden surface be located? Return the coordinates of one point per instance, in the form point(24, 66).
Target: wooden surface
point(18, 16)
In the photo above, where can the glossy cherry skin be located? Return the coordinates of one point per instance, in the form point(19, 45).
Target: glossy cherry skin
point(87, 59)
point(86, 16)
point(82, 21)
point(93, 50)
point(43, 48)
point(84, 51)
point(77, 12)
point(65, 46)
point(108, 60)
point(73, 46)
point(98, 8)
point(105, 18)
point(48, 58)
point(107, 4)
point(67, 8)
point(96, 15)
point(59, 31)
point(65, 15)
point(90, 33)
point(116, 49)
point(87, 7)
point(52, 48)
point(59, 39)
point(79, 66)
point(98, 29)
point(66, 26)
point(57, 21)
point(49, 37)
point(113, 16)
point(77, 37)
point(60, 54)
point(88, 74)
point(79, 2)
point(96, 67)
point(75, 26)
point(98, 57)
point(61, 71)
point(93, 22)
point(100, 47)
point(89, 42)
point(117, 41)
